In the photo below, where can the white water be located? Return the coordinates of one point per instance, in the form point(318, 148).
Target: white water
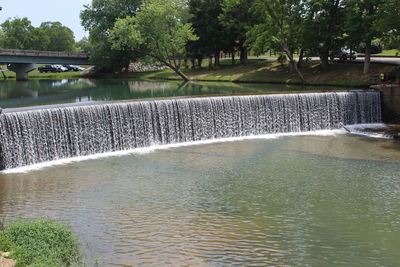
point(56, 136)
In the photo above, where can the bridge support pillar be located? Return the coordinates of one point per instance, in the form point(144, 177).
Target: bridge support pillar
point(22, 70)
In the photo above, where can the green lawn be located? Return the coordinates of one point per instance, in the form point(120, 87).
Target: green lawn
point(393, 52)
point(262, 71)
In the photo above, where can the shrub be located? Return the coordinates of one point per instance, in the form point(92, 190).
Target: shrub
point(282, 58)
point(376, 48)
point(41, 242)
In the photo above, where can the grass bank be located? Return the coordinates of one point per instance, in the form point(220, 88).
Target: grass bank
point(263, 71)
point(257, 71)
point(41, 242)
point(393, 52)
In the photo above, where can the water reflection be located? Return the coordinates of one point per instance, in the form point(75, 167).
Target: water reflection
point(46, 92)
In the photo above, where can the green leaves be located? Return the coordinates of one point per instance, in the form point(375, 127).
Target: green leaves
point(49, 36)
point(158, 29)
point(17, 33)
point(41, 242)
point(98, 18)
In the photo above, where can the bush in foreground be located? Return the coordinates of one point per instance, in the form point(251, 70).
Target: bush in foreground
point(41, 242)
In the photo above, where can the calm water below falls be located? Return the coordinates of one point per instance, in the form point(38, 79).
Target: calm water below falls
point(297, 201)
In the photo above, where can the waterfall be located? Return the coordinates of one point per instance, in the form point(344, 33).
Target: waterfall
point(37, 136)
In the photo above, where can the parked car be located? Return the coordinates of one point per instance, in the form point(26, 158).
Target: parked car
point(343, 54)
point(49, 68)
point(62, 69)
point(73, 68)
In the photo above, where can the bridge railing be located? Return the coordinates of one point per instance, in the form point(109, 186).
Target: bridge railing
point(36, 53)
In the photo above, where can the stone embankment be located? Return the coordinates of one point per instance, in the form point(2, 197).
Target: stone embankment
point(390, 93)
point(139, 66)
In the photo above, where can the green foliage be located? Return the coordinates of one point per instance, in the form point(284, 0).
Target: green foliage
point(282, 59)
point(157, 30)
point(323, 27)
point(49, 36)
point(56, 37)
point(376, 48)
point(17, 33)
point(41, 242)
point(83, 45)
point(213, 37)
point(98, 18)
point(237, 18)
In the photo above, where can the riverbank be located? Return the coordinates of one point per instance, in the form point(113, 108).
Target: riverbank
point(264, 71)
point(256, 71)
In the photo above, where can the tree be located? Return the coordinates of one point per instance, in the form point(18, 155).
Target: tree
point(50, 36)
point(238, 19)
point(83, 45)
point(158, 30)
point(17, 33)
point(362, 17)
point(323, 28)
point(213, 37)
point(280, 27)
point(58, 37)
point(388, 23)
point(98, 18)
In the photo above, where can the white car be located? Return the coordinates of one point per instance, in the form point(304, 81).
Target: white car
point(343, 54)
point(61, 68)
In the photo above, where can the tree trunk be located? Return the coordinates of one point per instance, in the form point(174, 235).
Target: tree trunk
point(243, 55)
point(177, 71)
point(199, 62)
point(210, 62)
point(301, 56)
point(233, 58)
point(292, 62)
point(367, 59)
point(193, 60)
point(126, 68)
point(291, 66)
point(216, 59)
point(325, 61)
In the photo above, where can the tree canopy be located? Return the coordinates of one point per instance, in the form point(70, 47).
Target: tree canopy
point(49, 36)
point(98, 19)
point(158, 30)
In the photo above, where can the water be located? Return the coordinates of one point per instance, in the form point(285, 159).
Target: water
point(48, 92)
point(51, 134)
point(292, 201)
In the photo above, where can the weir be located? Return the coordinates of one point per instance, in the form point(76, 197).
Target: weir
point(37, 136)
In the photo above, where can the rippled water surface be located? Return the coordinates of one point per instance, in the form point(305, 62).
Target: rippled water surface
point(298, 201)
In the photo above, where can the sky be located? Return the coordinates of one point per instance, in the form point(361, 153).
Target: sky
point(38, 11)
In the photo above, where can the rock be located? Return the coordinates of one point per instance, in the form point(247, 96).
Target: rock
point(90, 70)
point(139, 66)
point(6, 262)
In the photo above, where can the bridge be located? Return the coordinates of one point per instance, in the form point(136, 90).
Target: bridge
point(26, 60)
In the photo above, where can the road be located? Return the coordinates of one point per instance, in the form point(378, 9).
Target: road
point(379, 60)
point(382, 60)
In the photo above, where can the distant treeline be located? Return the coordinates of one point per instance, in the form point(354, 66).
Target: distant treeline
point(18, 33)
